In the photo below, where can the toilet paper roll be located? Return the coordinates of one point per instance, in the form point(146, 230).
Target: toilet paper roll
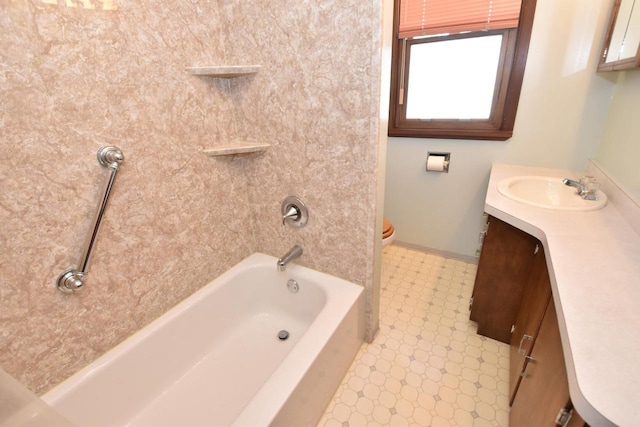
point(436, 163)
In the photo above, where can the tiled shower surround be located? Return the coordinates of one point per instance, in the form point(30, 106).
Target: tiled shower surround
point(75, 75)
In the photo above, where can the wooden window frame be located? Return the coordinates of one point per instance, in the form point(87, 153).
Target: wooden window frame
point(499, 126)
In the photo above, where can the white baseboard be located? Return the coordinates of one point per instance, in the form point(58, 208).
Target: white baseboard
point(444, 254)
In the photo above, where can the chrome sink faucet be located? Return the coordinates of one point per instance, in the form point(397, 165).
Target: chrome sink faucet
point(587, 187)
point(576, 184)
point(294, 252)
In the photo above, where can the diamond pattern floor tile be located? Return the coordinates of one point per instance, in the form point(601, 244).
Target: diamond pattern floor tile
point(427, 366)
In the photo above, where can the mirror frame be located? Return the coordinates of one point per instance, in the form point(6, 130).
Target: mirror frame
point(621, 64)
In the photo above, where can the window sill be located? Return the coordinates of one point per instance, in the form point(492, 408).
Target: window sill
point(489, 134)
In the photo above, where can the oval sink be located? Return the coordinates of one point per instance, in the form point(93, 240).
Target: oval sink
point(548, 193)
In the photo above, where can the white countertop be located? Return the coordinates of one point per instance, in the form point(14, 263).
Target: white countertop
point(594, 266)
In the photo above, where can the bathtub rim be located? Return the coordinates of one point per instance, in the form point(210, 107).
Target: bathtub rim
point(278, 392)
point(292, 368)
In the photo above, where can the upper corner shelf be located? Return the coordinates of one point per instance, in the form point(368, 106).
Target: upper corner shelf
point(225, 72)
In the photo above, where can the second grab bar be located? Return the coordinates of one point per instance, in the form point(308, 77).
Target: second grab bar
point(72, 280)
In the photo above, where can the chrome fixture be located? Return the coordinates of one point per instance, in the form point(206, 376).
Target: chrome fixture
point(587, 187)
point(572, 183)
point(283, 335)
point(590, 195)
point(72, 280)
point(294, 252)
point(294, 212)
point(293, 286)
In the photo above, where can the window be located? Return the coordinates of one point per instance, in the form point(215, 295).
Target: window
point(458, 67)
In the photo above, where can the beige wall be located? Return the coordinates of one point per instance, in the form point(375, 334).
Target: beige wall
point(561, 117)
point(620, 148)
point(74, 78)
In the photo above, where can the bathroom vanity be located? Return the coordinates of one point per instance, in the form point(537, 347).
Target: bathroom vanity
point(511, 302)
point(561, 288)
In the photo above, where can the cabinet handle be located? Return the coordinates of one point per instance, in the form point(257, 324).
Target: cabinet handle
point(524, 337)
point(563, 417)
point(527, 359)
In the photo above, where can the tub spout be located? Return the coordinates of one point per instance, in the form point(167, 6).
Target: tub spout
point(294, 252)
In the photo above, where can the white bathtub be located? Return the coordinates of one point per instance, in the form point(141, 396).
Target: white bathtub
point(216, 360)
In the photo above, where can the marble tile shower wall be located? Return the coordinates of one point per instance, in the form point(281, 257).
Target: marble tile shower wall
point(78, 74)
point(317, 104)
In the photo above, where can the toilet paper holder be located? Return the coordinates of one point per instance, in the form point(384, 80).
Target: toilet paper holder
point(435, 166)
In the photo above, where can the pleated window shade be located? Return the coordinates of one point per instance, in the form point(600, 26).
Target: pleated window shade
point(430, 17)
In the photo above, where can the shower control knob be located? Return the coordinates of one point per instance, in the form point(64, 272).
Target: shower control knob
point(294, 212)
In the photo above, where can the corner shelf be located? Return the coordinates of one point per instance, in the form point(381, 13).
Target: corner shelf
point(225, 72)
point(238, 148)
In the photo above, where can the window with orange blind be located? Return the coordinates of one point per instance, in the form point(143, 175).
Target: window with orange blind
point(458, 67)
point(430, 17)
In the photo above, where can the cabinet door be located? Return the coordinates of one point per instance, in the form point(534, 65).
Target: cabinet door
point(503, 270)
point(537, 295)
point(544, 389)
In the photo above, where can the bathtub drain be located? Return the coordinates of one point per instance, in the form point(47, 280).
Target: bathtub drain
point(283, 335)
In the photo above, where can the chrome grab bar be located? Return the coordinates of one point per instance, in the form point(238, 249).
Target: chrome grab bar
point(72, 280)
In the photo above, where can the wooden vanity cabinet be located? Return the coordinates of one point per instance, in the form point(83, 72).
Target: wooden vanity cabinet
point(535, 300)
point(512, 302)
point(544, 388)
point(504, 267)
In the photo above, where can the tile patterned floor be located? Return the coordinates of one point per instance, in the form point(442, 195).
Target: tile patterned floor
point(427, 366)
